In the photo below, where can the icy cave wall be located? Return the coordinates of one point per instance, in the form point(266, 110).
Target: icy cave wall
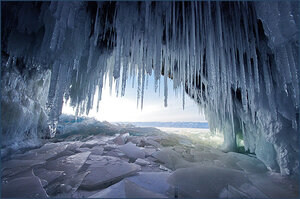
point(24, 92)
point(239, 61)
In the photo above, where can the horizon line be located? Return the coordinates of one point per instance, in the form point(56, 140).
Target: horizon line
point(162, 122)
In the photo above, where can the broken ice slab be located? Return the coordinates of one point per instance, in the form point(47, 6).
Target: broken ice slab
point(171, 158)
point(138, 140)
point(103, 139)
point(65, 153)
point(228, 161)
point(248, 163)
point(121, 139)
point(232, 192)
point(134, 191)
point(90, 144)
point(97, 150)
point(116, 153)
point(47, 151)
point(14, 167)
point(168, 141)
point(252, 191)
point(149, 151)
point(28, 186)
point(73, 145)
point(114, 191)
point(68, 187)
point(141, 162)
point(150, 141)
point(80, 150)
point(109, 147)
point(244, 191)
point(20, 163)
point(79, 193)
point(179, 149)
point(164, 168)
point(132, 151)
point(71, 178)
point(254, 166)
point(204, 156)
point(70, 164)
point(153, 181)
point(186, 142)
point(93, 158)
point(107, 170)
point(48, 175)
point(274, 185)
point(126, 189)
point(239, 162)
point(205, 182)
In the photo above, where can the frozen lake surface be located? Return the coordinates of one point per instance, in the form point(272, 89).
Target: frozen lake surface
point(201, 125)
point(96, 159)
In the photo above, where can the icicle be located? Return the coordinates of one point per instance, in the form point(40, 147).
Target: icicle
point(243, 81)
point(55, 36)
point(143, 86)
point(165, 86)
point(117, 66)
point(208, 49)
point(219, 23)
point(193, 30)
point(294, 72)
point(71, 19)
point(100, 86)
point(8, 63)
point(139, 87)
point(173, 22)
point(117, 87)
point(256, 75)
point(96, 27)
point(124, 78)
point(91, 53)
point(147, 81)
point(183, 97)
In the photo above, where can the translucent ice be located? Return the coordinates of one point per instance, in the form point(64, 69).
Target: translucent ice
point(238, 60)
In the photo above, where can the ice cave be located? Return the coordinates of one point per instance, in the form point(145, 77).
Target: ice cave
point(239, 61)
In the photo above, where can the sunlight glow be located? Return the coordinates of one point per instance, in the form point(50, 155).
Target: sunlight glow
point(124, 109)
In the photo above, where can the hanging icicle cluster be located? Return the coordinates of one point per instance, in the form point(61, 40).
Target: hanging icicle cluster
point(217, 52)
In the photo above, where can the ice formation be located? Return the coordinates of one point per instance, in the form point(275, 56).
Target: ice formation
point(238, 60)
point(95, 167)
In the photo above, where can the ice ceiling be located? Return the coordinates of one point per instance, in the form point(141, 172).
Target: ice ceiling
point(238, 60)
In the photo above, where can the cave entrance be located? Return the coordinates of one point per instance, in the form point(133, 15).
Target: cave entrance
point(242, 71)
point(182, 115)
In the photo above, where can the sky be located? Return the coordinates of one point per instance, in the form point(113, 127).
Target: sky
point(124, 109)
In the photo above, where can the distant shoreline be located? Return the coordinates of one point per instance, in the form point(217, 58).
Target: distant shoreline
point(203, 125)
